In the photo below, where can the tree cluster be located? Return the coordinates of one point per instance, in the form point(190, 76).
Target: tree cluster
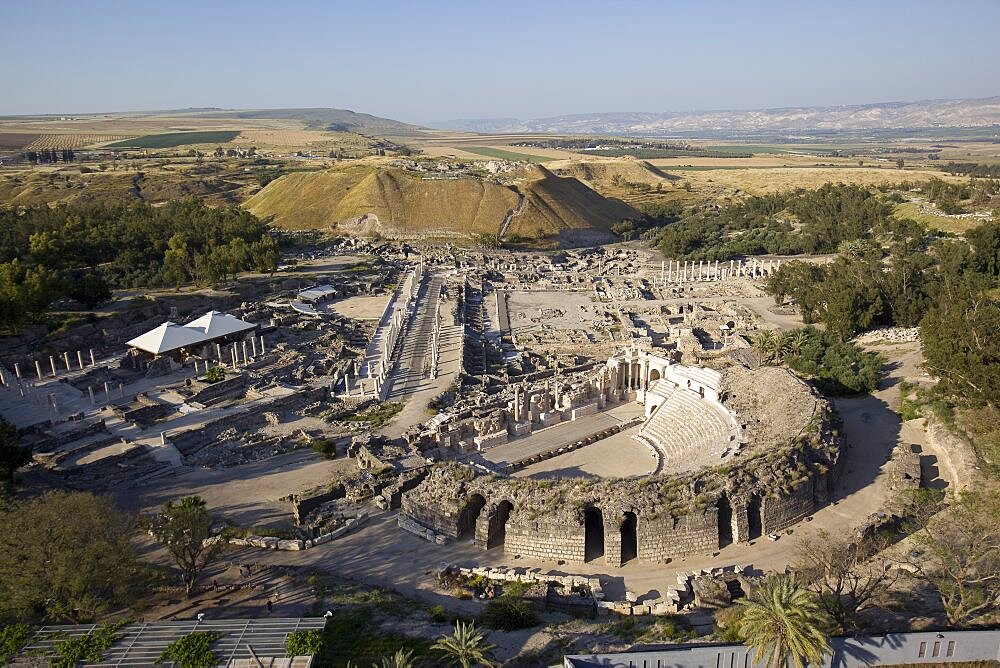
point(83, 251)
point(803, 221)
point(944, 286)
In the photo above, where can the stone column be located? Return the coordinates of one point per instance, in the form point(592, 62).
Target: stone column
point(38, 369)
point(90, 391)
point(79, 358)
point(92, 361)
point(262, 349)
point(66, 360)
point(52, 363)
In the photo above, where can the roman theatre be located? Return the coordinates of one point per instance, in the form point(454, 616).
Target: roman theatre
point(739, 451)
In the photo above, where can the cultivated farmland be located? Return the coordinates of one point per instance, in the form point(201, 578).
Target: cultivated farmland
point(73, 140)
point(12, 141)
point(501, 154)
point(175, 139)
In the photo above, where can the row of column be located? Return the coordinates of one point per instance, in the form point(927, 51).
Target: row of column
point(52, 365)
point(674, 272)
point(250, 353)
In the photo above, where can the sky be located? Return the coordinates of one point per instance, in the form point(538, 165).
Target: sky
point(423, 61)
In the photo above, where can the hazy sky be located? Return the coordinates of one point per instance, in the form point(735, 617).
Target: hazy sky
point(427, 60)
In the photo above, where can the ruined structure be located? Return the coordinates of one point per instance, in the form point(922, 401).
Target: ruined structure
point(751, 451)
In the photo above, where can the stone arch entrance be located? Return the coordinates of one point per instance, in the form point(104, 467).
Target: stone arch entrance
point(725, 517)
point(593, 534)
point(755, 524)
point(498, 525)
point(629, 537)
point(470, 513)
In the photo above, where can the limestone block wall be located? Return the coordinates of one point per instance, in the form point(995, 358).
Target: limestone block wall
point(670, 537)
point(547, 542)
point(787, 509)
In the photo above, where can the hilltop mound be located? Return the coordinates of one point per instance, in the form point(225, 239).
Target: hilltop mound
point(601, 172)
point(366, 199)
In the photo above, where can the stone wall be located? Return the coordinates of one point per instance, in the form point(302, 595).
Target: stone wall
point(661, 518)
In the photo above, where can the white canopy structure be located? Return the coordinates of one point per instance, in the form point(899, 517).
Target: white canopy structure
point(167, 337)
point(170, 336)
point(215, 324)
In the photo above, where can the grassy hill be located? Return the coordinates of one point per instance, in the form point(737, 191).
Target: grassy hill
point(334, 120)
point(368, 200)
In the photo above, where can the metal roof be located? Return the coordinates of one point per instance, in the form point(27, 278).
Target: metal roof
point(142, 643)
point(317, 292)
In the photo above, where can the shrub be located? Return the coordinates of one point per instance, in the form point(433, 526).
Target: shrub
point(326, 447)
point(215, 374)
point(88, 648)
point(13, 638)
point(509, 613)
point(304, 643)
point(192, 651)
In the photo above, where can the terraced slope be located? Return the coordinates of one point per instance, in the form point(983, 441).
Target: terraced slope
point(365, 200)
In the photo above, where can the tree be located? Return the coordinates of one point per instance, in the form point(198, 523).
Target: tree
point(67, 556)
point(899, 163)
point(783, 621)
point(848, 576)
point(184, 529)
point(768, 346)
point(960, 553)
point(12, 455)
point(960, 343)
point(465, 647)
point(176, 261)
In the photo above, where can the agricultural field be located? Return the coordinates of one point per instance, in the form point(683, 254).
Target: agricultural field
point(14, 141)
point(289, 138)
point(175, 139)
point(62, 141)
point(502, 154)
point(925, 215)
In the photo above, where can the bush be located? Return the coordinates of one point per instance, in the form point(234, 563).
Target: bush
point(88, 648)
point(192, 651)
point(509, 613)
point(13, 638)
point(326, 447)
point(304, 643)
point(215, 374)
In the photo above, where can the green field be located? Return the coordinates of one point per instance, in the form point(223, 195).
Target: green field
point(174, 139)
point(505, 155)
point(746, 148)
point(943, 223)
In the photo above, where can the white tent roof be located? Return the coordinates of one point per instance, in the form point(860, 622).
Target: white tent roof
point(171, 336)
point(214, 324)
point(168, 336)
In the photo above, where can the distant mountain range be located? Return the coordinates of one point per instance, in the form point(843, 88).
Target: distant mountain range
point(884, 115)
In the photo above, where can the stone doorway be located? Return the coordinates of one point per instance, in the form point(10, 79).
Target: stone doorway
point(593, 527)
point(630, 539)
point(469, 515)
point(498, 525)
point(725, 513)
point(755, 525)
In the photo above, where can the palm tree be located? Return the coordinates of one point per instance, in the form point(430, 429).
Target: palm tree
point(796, 341)
point(767, 345)
point(466, 647)
point(782, 620)
point(401, 659)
